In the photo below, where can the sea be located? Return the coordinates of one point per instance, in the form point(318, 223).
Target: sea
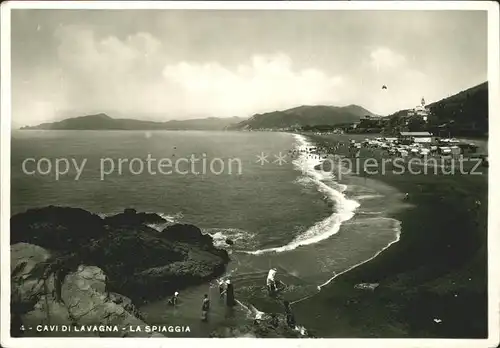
point(261, 190)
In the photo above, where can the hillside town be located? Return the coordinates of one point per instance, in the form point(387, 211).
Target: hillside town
point(403, 143)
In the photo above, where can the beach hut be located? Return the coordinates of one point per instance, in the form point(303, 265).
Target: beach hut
point(444, 150)
point(455, 151)
point(415, 137)
point(424, 152)
point(402, 152)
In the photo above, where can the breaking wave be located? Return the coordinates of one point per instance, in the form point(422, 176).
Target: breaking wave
point(343, 208)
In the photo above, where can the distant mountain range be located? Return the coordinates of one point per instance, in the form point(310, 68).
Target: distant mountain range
point(306, 115)
point(105, 122)
point(465, 113)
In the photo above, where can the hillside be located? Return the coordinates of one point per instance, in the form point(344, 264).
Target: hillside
point(105, 122)
point(462, 114)
point(465, 113)
point(306, 115)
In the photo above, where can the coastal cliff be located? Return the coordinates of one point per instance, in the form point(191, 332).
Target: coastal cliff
point(71, 266)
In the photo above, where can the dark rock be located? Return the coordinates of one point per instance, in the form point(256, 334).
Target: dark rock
point(130, 217)
point(187, 234)
point(132, 248)
point(177, 275)
point(55, 228)
point(137, 260)
point(229, 241)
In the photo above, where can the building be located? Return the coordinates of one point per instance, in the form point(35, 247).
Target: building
point(420, 111)
point(415, 137)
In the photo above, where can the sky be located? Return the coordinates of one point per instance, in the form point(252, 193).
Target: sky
point(180, 64)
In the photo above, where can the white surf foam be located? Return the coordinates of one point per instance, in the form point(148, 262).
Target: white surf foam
point(343, 208)
point(363, 197)
point(240, 237)
point(105, 215)
point(170, 219)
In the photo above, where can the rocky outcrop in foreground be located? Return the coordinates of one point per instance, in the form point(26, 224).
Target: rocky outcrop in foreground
point(80, 300)
point(69, 265)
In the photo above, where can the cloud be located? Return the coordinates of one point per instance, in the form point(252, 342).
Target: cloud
point(264, 82)
point(385, 58)
point(85, 52)
point(136, 75)
point(185, 64)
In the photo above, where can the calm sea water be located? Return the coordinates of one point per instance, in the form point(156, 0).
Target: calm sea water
point(285, 215)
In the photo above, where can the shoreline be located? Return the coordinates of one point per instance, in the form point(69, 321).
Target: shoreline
point(312, 142)
point(394, 267)
point(337, 216)
point(293, 244)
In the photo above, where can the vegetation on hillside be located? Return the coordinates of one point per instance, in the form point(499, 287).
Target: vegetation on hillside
point(462, 114)
point(305, 115)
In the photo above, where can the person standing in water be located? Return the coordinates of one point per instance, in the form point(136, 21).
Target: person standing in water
point(290, 318)
point(204, 308)
point(270, 281)
point(230, 301)
point(173, 299)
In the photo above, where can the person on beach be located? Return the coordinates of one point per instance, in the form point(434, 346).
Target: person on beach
point(222, 288)
point(173, 299)
point(204, 308)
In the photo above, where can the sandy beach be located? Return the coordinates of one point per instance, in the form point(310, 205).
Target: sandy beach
point(432, 280)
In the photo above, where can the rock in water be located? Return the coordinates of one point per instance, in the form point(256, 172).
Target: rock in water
point(186, 233)
point(229, 241)
point(130, 217)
